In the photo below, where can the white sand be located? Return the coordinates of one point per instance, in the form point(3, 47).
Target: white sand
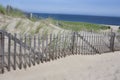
point(75, 67)
point(113, 27)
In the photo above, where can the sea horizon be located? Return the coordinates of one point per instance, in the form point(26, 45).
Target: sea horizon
point(95, 19)
point(73, 14)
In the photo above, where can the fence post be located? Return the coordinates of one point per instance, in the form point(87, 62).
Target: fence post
point(1, 52)
point(112, 39)
point(73, 42)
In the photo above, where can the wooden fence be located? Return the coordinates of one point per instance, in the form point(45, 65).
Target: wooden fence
point(22, 51)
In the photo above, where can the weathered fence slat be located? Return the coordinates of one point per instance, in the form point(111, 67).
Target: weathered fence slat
point(34, 54)
point(46, 52)
point(87, 47)
point(2, 52)
point(54, 46)
point(39, 53)
point(25, 53)
point(20, 54)
point(73, 42)
point(112, 38)
point(42, 48)
point(30, 53)
point(92, 52)
point(76, 44)
point(59, 45)
point(99, 43)
point(14, 66)
point(64, 47)
point(9, 52)
point(50, 47)
point(82, 47)
point(79, 45)
point(84, 43)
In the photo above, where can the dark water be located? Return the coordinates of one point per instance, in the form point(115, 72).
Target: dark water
point(81, 18)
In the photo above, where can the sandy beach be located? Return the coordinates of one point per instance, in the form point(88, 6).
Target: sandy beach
point(74, 67)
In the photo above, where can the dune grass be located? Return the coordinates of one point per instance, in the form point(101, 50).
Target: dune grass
point(19, 23)
point(14, 12)
point(38, 29)
point(78, 26)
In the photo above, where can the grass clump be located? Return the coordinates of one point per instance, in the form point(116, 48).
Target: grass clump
point(14, 12)
point(18, 24)
point(10, 11)
point(2, 10)
point(4, 27)
point(34, 19)
point(38, 29)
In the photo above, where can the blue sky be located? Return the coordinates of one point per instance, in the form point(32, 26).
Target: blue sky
point(86, 7)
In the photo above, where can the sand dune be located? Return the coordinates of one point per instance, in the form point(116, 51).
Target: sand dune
point(75, 67)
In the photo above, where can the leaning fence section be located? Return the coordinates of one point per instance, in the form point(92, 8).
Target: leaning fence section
point(22, 51)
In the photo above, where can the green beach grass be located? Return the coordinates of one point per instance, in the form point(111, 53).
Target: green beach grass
point(78, 26)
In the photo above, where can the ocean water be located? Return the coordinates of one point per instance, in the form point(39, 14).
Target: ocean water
point(81, 18)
